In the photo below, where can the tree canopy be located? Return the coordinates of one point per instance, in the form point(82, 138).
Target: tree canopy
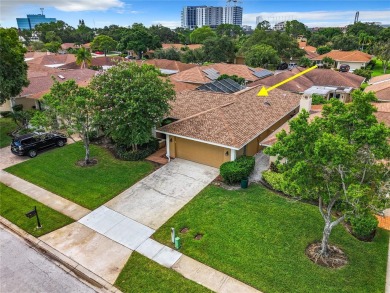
point(131, 100)
point(337, 160)
point(103, 43)
point(83, 56)
point(13, 68)
point(262, 56)
point(199, 35)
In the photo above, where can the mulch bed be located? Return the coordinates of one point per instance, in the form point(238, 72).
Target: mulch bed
point(335, 259)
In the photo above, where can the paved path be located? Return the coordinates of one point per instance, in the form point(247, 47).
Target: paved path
point(157, 197)
point(48, 198)
point(8, 159)
point(22, 269)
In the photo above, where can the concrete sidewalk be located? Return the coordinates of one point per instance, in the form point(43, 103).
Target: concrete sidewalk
point(48, 198)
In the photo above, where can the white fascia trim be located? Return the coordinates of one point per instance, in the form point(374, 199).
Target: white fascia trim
point(198, 140)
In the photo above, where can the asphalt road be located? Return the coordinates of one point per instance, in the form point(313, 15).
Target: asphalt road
point(22, 269)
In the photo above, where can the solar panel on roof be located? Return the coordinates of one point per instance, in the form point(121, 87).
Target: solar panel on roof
point(211, 73)
point(222, 86)
point(263, 73)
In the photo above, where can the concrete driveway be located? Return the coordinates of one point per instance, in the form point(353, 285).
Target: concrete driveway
point(8, 159)
point(156, 198)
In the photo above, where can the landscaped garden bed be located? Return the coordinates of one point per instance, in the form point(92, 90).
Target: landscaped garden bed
point(14, 205)
point(57, 171)
point(7, 125)
point(260, 238)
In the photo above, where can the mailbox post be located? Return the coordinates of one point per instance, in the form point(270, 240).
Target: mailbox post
point(33, 213)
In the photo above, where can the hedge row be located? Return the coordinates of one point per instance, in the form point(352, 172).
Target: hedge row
point(144, 151)
point(234, 172)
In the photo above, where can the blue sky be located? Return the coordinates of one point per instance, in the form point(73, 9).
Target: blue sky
point(98, 13)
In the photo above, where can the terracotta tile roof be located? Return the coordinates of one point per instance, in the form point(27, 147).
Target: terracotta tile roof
point(179, 46)
point(170, 64)
point(53, 59)
point(183, 86)
point(346, 56)
point(379, 78)
point(34, 54)
point(98, 61)
point(66, 46)
point(383, 113)
point(272, 139)
point(41, 84)
point(229, 119)
point(381, 90)
point(316, 77)
point(196, 74)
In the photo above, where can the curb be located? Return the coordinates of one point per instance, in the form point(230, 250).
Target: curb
point(64, 262)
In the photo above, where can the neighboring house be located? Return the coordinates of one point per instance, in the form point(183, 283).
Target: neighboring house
point(49, 59)
point(166, 66)
point(204, 74)
point(213, 128)
point(344, 82)
point(380, 85)
point(383, 113)
point(355, 59)
point(103, 62)
point(311, 52)
point(341, 93)
point(40, 83)
point(181, 46)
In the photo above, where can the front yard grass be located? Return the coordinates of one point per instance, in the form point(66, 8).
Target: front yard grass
point(141, 274)
point(14, 205)
point(378, 69)
point(90, 187)
point(260, 238)
point(6, 125)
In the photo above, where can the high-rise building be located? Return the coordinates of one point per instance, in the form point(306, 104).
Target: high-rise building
point(198, 16)
point(232, 15)
point(32, 20)
point(210, 16)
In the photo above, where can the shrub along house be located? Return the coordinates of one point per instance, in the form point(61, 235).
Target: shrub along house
point(213, 128)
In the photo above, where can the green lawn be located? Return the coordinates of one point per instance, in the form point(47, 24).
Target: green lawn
point(6, 125)
point(14, 205)
point(141, 274)
point(260, 238)
point(378, 69)
point(56, 171)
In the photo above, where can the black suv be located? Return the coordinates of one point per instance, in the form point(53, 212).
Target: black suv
point(344, 67)
point(30, 144)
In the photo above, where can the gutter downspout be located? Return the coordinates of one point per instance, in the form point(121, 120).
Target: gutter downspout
point(168, 155)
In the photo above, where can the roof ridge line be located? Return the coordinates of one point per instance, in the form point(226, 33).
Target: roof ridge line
point(201, 113)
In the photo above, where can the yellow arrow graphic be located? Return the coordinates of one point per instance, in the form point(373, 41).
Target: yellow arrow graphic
point(264, 92)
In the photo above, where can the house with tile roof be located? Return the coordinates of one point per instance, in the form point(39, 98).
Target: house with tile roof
point(213, 128)
point(380, 85)
point(315, 79)
point(383, 113)
point(40, 78)
point(355, 59)
point(311, 52)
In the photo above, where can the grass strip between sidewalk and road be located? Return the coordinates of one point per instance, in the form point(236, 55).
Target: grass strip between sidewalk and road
point(14, 205)
point(56, 170)
point(141, 274)
point(259, 238)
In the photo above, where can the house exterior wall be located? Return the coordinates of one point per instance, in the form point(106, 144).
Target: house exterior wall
point(27, 103)
point(6, 106)
point(353, 65)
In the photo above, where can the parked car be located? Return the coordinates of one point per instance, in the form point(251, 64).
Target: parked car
point(99, 52)
point(344, 68)
point(29, 144)
point(282, 66)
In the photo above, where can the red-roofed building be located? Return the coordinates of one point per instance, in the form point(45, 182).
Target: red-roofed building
point(355, 59)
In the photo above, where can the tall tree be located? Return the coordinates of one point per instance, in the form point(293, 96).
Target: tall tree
point(83, 56)
point(229, 30)
point(60, 29)
point(165, 34)
point(345, 43)
point(13, 68)
point(103, 43)
point(336, 160)
point(219, 49)
point(199, 35)
point(296, 28)
point(262, 56)
point(72, 106)
point(264, 25)
point(382, 52)
point(132, 99)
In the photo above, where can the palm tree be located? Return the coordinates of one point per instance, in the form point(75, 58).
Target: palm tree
point(83, 56)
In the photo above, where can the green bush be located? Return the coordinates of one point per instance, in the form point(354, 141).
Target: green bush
point(363, 226)
point(318, 100)
point(274, 179)
point(144, 151)
point(5, 114)
point(363, 72)
point(234, 172)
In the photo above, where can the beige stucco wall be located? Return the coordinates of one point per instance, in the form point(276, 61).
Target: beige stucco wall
point(353, 65)
point(6, 106)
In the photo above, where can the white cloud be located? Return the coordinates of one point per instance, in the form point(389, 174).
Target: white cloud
point(319, 18)
point(8, 6)
point(167, 23)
